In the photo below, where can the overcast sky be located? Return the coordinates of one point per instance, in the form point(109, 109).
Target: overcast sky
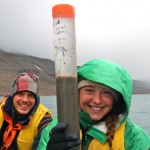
point(118, 30)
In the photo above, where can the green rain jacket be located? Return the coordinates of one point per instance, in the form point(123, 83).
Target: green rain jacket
point(116, 77)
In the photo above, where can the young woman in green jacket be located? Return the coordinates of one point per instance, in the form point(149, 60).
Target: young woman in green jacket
point(105, 91)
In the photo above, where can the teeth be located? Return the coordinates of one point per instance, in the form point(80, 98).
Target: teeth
point(96, 108)
point(24, 105)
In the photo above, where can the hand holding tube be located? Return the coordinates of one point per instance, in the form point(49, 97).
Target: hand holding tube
point(60, 140)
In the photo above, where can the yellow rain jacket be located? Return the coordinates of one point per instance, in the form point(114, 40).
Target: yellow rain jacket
point(28, 132)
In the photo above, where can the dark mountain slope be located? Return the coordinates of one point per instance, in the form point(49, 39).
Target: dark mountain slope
point(12, 64)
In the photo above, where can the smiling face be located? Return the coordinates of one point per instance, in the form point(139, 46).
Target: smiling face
point(96, 101)
point(24, 102)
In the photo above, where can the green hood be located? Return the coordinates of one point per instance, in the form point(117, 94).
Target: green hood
point(110, 74)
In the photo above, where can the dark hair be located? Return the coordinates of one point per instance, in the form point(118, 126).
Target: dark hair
point(80, 78)
point(111, 120)
point(119, 107)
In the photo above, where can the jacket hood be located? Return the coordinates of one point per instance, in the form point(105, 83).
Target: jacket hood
point(110, 74)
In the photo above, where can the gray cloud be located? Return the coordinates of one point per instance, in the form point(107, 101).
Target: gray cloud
point(117, 30)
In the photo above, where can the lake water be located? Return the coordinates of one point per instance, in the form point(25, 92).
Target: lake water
point(139, 112)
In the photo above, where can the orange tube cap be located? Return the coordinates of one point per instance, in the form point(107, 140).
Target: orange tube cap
point(63, 11)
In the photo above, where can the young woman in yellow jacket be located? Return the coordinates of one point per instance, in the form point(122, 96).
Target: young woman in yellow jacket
point(22, 117)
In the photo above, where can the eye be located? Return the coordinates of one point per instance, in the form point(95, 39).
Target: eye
point(106, 93)
point(20, 94)
point(89, 90)
point(31, 95)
